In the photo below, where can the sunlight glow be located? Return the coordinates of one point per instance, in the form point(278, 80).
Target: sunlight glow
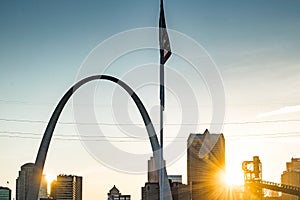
point(50, 178)
point(232, 179)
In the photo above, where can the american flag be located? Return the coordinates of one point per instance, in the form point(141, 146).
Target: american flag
point(165, 48)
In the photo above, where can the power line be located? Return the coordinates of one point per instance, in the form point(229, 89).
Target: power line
point(28, 135)
point(168, 124)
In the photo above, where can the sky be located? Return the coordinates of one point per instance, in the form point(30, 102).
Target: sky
point(46, 44)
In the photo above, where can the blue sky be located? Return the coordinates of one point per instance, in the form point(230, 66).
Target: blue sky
point(255, 45)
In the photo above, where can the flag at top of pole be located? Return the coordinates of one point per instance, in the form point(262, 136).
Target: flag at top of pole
point(165, 51)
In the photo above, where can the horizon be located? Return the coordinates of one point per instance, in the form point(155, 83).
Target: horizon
point(47, 46)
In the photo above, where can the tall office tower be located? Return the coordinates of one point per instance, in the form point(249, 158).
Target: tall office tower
point(5, 193)
point(25, 178)
point(114, 194)
point(291, 177)
point(67, 187)
point(152, 171)
point(205, 163)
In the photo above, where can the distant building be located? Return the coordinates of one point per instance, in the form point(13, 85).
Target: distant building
point(150, 191)
point(291, 177)
point(114, 194)
point(43, 193)
point(205, 163)
point(152, 171)
point(179, 191)
point(67, 187)
point(5, 193)
point(175, 178)
point(25, 178)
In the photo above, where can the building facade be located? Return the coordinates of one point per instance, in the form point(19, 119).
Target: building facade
point(5, 193)
point(67, 187)
point(114, 194)
point(179, 191)
point(25, 178)
point(205, 163)
point(291, 177)
point(152, 171)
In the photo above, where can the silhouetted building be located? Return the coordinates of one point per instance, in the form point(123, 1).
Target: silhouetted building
point(67, 187)
point(205, 163)
point(152, 171)
point(150, 191)
point(5, 193)
point(291, 177)
point(179, 191)
point(114, 194)
point(25, 178)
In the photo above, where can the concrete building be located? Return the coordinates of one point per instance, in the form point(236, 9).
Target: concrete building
point(175, 178)
point(67, 187)
point(151, 189)
point(152, 171)
point(205, 163)
point(114, 194)
point(291, 177)
point(179, 191)
point(25, 178)
point(5, 193)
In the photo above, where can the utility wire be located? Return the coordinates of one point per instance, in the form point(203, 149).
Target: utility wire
point(27, 135)
point(168, 124)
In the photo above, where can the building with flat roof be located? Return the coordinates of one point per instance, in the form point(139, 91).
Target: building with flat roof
point(205, 163)
point(175, 178)
point(67, 187)
point(25, 178)
point(152, 171)
point(5, 193)
point(291, 176)
point(179, 191)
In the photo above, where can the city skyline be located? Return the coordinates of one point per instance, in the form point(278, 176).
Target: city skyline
point(43, 45)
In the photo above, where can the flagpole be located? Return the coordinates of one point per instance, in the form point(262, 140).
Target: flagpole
point(161, 184)
point(165, 53)
point(162, 95)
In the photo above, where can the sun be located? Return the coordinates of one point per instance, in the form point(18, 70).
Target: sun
point(232, 179)
point(50, 178)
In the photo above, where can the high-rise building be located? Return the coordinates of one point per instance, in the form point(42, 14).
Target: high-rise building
point(291, 177)
point(115, 194)
point(205, 163)
point(67, 187)
point(5, 193)
point(151, 189)
point(152, 171)
point(25, 178)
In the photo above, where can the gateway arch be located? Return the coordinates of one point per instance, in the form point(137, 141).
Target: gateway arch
point(44, 146)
